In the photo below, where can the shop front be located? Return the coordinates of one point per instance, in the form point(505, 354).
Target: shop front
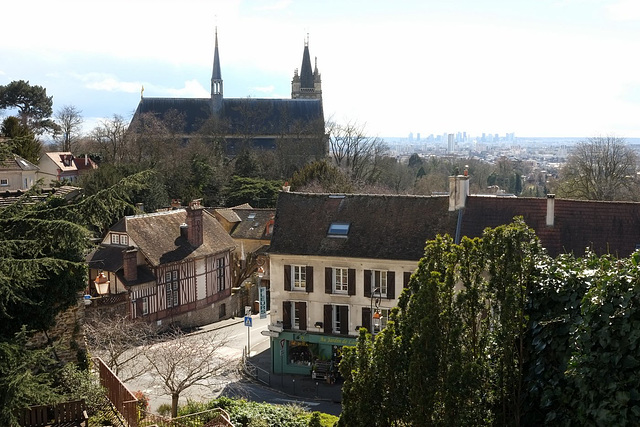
point(307, 353)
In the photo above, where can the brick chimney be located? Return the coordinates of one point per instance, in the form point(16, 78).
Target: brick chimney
point(130, 264)
point(194, 223)
point(458, 191)
point(551, 202)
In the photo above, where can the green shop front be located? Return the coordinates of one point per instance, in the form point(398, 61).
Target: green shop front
point(305, 353)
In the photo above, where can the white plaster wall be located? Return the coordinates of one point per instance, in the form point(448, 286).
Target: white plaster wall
point(318, 298)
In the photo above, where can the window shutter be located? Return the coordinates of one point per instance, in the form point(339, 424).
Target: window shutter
point(352, 281)
point(302, 310)
point(366, 318)
point(391, 284)
point(287, 277)
point(344, 319)
point(328, 280)
point(367, 283)
point(309, 279)
point(406, 276)
point(286, 314)
point(328, 319)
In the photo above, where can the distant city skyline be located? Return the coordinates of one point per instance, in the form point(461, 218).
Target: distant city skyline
point(564, 68)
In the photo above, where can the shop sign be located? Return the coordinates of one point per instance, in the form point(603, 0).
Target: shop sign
point(337, 340)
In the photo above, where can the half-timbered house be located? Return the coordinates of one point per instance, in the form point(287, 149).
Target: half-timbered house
point(169, 267)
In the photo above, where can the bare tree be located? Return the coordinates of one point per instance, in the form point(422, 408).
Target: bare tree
point(120, 342)
point(70, 120)
point(601, 168)
point(356, 152)
point(184, 361)
point(110, 137)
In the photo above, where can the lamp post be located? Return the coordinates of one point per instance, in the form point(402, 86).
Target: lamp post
point(375, 315)
point(102, 283)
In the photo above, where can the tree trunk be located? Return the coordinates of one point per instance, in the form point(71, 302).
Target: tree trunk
point(174, 405)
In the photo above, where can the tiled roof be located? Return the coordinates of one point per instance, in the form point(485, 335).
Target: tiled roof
point(67, 192)
point(605, 227)
point(252, 223)
point(228, 214)
point(17, 163)
point(158, 236)
point(380, 226)
point(57, 158)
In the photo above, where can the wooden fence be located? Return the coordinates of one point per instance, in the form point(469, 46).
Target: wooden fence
point(119, 395)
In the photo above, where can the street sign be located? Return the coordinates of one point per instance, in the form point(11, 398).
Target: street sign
point(262, 297)
point(282, 343)
point(247, 310)
point(247, 321)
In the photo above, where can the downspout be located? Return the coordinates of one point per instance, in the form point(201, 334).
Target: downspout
point(459, 226)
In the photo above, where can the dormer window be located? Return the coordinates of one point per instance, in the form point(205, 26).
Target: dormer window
point(338, 229)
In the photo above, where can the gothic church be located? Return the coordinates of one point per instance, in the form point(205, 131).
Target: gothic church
point(293, 127)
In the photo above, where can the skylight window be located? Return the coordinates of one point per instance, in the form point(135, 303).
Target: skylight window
point(338, 229)
point(252, 215)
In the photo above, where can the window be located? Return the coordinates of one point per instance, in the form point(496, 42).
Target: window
point(173, 288)
point(299, 278)
point(145, 305)
point(115, 239)
point(379, 284)
point(294, 315)
point(124, 240)
point(340, 321)
point(252, 215)
point(340, 280)
point(338, 229)
point(221, 269)
point(4, 181)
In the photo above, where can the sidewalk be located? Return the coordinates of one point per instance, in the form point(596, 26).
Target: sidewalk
point(294, 386)
point(298, 386)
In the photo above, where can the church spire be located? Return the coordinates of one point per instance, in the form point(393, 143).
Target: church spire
point(216, 79)
point(306, 84)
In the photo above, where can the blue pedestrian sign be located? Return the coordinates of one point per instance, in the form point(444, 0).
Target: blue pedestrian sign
point(247, 321)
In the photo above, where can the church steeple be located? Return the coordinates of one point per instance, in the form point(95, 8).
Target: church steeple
point(216, 80)
point(307, 84)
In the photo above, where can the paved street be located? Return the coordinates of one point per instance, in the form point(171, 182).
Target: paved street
point(230, 381)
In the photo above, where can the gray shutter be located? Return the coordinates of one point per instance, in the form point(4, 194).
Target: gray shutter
point(406, 276)
point(344, 319)
point(286, 314)
point(328, 319)
point(287, 277)
point(302, 311)
point(366, 318)
point(352, 281)
point(367, 283)
point(391, 284)
point(309, 279)
point(328, 280)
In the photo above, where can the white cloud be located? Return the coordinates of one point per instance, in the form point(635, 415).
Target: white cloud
point(624, 10)
point(191, 89)
point(277, 5)
point(107, 82)
point(264, 89)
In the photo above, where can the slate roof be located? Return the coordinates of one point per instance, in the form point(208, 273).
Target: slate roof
point(605, 227)
point(17, 163)
point(380, 226)
point(109, 258)
point(67, 192)
point(252, 223)
point(241, 116)
point(157, 236)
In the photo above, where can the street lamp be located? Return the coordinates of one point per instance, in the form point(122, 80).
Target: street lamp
point(375, 315)
point(102, 283)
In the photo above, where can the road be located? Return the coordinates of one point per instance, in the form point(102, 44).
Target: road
point(235, 336)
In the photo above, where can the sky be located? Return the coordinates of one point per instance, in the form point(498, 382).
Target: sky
point(545, 68)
